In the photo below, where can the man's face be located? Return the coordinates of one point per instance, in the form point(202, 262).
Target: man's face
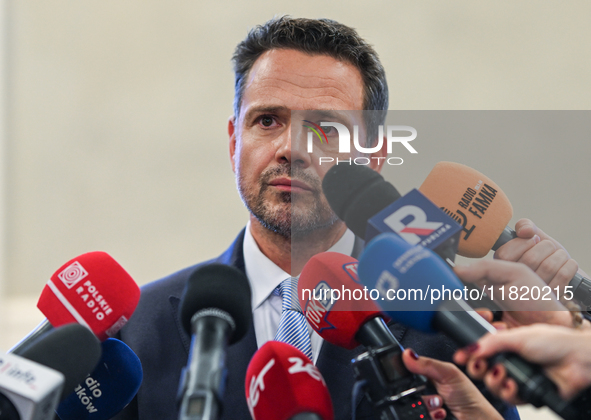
point(277, 179)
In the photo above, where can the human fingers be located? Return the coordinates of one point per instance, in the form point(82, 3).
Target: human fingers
point(515, 248)
point(434, 404)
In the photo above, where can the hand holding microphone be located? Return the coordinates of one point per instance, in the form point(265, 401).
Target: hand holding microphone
point(540, 252)
point(504, 276)
point(459, 393)
point(563, 352)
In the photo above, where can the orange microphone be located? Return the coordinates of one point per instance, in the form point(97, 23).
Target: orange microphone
point(475, 202)
point(483, 210)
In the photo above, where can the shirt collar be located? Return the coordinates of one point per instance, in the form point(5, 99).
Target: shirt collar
point(264, 275)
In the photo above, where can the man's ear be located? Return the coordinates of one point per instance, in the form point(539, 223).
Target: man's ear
point(381, 155)
point(232, 138)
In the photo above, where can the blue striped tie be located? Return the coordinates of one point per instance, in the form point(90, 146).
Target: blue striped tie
point(293, 327)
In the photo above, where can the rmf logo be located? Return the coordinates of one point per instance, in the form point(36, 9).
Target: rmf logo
point(345, 137)
point(257, 384)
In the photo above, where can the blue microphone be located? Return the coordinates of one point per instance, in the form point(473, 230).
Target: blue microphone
point(107, 390)
point(416, 288)
point(411, 281)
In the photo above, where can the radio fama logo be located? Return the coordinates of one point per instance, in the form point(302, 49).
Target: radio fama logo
point(72, 274)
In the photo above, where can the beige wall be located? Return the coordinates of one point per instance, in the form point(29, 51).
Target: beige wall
point(3, 139)
point(117, 114)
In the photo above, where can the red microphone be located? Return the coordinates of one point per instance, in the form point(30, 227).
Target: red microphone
point(92, 290)
point(338, 306)
point(352, 318)
point(282, 383)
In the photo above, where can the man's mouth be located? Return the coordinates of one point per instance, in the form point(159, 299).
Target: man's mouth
point(290, 185)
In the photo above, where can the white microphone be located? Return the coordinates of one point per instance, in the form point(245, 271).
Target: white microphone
point(28, 390)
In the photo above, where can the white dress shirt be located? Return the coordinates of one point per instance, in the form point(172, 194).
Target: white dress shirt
point(264, 276)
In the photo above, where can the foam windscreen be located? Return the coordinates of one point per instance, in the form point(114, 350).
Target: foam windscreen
point(92, 290)
point(222, 287)
point(356, 193)
point(474, 201)
point(281, 382)
point(407, 277)
point(71, 349)
point(108, 389)
point(327, 276)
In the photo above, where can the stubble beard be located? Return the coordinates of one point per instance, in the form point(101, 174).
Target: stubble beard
point(286, 214)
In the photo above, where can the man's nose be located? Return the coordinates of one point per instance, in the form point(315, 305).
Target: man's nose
point(293, 148)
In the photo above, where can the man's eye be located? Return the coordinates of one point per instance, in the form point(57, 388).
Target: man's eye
point(328, 130)
point(267, 121)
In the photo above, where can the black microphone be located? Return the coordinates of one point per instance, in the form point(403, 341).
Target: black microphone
point(369, 206)
point(216, 310)
point(72, 350)
point(356, 194)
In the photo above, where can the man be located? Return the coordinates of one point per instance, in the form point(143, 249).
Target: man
point(284, 65)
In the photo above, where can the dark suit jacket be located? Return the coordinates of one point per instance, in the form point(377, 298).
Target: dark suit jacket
point(155, 334)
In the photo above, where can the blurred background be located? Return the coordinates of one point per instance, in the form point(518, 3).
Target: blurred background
point(113, 121)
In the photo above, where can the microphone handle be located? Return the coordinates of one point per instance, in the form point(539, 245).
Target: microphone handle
point(533, 386)
point(39, 330)
point(581, 286)
point(505, 237)
point(306, 416)
point(375, 334)
point(204, 376)
point(456, 319)
point(460, 322)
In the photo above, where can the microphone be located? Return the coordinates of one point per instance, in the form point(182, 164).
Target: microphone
point(369, 206)
point(474, 201)
point(216, 311)
point(71, 349)
point(28, 390)
point(356, 194)
point(483, 210)
point(108, 389)
point(392, 266)
point(92, 290)
point(348, 318)
point(282, 384)
point(337, 306)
